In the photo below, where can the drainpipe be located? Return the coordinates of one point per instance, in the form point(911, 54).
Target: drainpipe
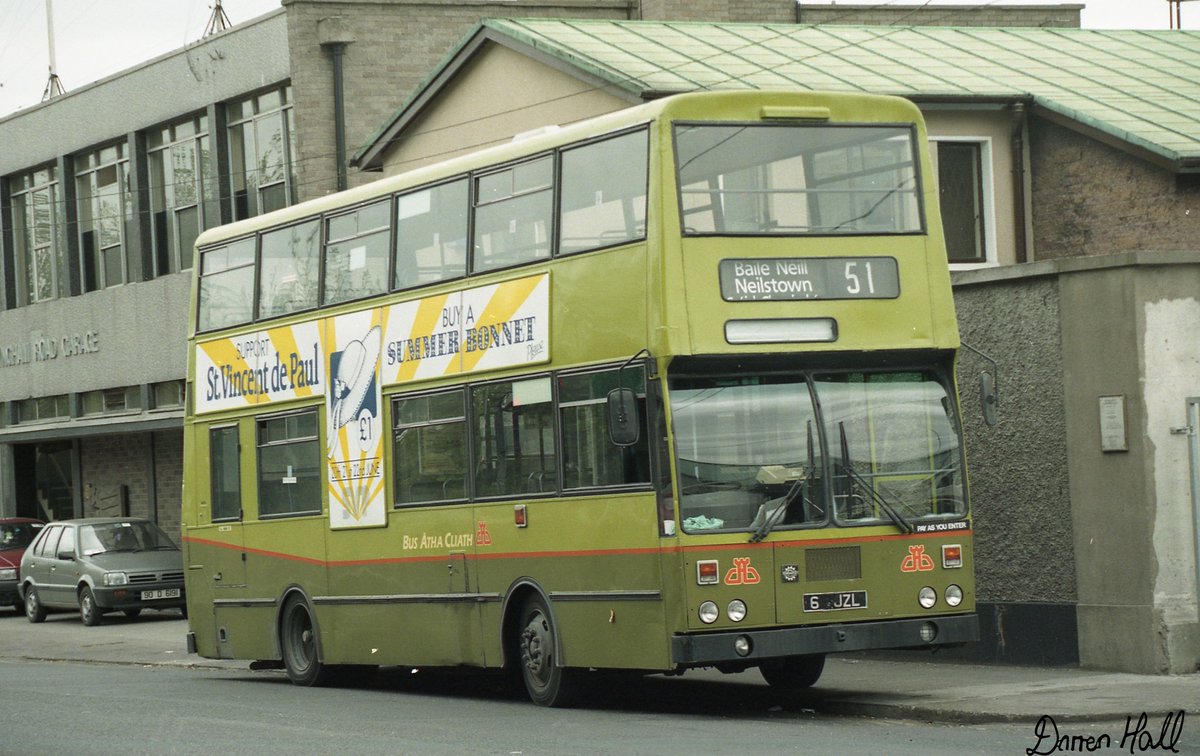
point(1020, 213)
point(333, 36)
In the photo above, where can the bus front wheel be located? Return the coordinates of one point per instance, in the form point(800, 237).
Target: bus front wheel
point(547, 683)
point(298, 644)
point(793, 672)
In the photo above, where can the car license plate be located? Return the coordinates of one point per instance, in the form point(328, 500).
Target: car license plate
point(832, 602)
point(161, 593)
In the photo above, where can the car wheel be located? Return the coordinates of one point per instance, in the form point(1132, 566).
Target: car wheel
point(34, 610)
point(88, 611)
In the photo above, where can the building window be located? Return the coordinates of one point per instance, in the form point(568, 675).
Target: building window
point(111, 401)
point(168, 394)
point(225, 475)
point(43, 408)
point(105, 212)
point(179, 156)
point(39, 260)
point(261, 153)
point(356, 253)
point(961, 194)
point(289, 465)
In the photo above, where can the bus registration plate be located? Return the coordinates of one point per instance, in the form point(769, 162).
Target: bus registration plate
point(832, 602)
point(161, 593)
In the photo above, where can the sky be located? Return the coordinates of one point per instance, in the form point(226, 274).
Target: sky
point(96, 38)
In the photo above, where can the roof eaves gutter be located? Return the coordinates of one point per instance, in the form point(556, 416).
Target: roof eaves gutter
point(1116, 138)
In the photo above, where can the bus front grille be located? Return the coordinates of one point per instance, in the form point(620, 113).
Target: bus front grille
point(841, 563)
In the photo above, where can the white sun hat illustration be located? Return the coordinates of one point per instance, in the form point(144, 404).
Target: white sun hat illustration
point(356, 369)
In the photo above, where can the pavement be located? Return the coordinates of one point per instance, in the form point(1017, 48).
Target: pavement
point(919, 689)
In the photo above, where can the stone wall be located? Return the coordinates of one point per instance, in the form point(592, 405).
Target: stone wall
point(1093, 199)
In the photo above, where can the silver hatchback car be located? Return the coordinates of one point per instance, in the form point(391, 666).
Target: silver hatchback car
point(99, 565)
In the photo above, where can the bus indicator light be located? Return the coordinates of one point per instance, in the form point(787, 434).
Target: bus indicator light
point(520, 518)
point(951, 556)
point(707, 572)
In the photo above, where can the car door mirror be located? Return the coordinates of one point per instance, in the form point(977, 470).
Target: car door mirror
point(67, 556)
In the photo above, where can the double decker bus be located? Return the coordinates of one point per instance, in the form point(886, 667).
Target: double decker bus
point(666, 389)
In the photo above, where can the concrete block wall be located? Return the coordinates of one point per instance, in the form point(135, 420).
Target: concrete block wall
point(149, 465)
point(396, 44)
point(747, 11)
point(982, 14)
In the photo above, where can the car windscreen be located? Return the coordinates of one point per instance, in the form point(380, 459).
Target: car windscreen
point(123, 536)
point(18, 535)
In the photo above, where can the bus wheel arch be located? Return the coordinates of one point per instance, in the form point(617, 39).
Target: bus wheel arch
point(533, 648)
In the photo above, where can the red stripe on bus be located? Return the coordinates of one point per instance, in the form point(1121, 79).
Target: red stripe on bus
point(579, 553)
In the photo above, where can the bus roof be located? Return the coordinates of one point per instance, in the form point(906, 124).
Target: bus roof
point(722, 105)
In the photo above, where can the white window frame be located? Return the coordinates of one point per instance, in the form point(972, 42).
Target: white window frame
point(987, 200)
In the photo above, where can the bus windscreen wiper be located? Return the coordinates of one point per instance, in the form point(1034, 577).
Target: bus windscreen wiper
point(897, 518)
point(776, 515)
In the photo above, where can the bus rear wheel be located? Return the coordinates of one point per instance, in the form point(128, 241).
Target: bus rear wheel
point(547, 683)
point(298, 645)
point(793, 672)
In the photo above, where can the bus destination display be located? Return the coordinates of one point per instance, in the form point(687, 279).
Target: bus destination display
point(798, 278)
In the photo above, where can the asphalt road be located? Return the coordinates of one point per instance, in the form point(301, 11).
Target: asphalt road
point(129, 687)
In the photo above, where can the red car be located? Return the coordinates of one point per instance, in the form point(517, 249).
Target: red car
point(15, 534)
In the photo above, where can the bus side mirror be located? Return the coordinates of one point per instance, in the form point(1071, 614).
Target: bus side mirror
point(987, 393)
point(623, 422)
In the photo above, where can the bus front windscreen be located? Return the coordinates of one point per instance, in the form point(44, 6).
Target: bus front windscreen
point(776, 179)
point(773, 452)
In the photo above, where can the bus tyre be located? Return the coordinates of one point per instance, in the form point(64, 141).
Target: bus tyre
point(794, 672)
point(89, 613)
point(34, 611)
point(546, 682)
point(298, 644)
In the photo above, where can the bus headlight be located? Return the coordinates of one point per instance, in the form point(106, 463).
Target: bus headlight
point(709, 612)
point(927, 597)
point(736, 610)
point(954, 595)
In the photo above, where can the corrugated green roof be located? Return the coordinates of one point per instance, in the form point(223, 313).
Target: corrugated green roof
point(1140, 87)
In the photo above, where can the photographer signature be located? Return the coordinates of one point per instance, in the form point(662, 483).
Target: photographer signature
point(1137, 737)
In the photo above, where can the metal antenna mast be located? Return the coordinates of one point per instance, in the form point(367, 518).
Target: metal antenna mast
point(1176, 18)
point(54, 86)
point(218, 22)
